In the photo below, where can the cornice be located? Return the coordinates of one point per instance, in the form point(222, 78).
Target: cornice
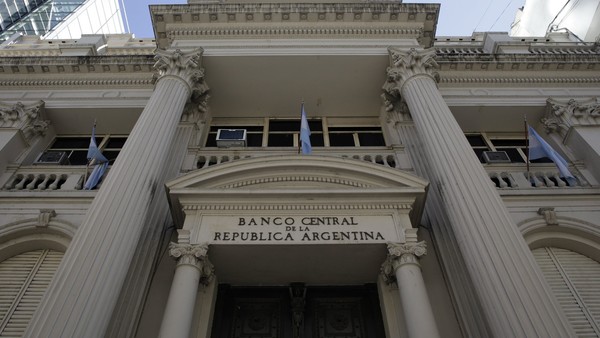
point(76, 71)
point(518, 69)
point(164, 12)
point(290, 20)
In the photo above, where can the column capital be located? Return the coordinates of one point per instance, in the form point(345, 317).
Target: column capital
point(195, 255)
point(183, 65)
point(406, 64)
point(560, 115)
point(29, 118)
point(400, 254)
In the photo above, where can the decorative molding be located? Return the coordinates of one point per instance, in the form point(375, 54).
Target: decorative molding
point(400, 254)
point(526, 79)
point(76, 82)
point(195, 255)
point(45, 217)
point(288, 207)
point(208, 32)
point(267, 180)
point(549, 215)
point(572, 113)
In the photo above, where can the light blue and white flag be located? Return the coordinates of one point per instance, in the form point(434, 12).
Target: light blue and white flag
point(95, 176)
point(101, 163)
point(93, 151)
point(304, 133)
point(539, 148)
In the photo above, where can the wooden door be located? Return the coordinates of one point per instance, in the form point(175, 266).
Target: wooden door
point(275, 312)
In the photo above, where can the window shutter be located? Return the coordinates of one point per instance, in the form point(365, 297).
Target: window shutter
point(574, 279)
point(23, 280)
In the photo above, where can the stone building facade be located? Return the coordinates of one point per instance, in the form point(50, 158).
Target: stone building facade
point(415, 215)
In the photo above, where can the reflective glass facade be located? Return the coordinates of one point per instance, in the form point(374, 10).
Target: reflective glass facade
point(33, 17)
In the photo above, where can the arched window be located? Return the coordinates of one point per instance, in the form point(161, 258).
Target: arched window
point(575, 281)
point(23, 280)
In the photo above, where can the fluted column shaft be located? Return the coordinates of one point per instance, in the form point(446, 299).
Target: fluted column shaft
point(403, 259)
point(84, 291)
point(515, 297)
point(192, 264)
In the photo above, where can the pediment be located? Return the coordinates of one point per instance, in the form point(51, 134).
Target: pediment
point(297, 172)
point(296, 182)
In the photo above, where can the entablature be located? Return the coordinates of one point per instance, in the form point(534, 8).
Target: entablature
point(294, 20)
point(77, 71)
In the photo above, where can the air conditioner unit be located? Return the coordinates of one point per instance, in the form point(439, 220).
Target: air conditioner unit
point(227, 138)
point(496, 157)
point(52, 158)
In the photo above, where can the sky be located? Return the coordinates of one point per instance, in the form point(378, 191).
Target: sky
point(457, 17)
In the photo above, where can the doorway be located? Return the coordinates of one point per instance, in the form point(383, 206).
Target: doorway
point(298, 311)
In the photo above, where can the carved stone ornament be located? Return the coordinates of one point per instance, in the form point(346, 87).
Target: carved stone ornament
point(574, 113)
point(184, 65)
point(398, 114)
point(44, 217)
point(27, 117)
point(196, 255)
point(549, 215)
point(407, 64)
point(400, 254)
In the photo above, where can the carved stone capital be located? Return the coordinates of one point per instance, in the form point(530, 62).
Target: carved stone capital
point(400, 254)
point(572, 113)
point(184, 65)
point(407, 64)
point(195, 255)
point(29, 118)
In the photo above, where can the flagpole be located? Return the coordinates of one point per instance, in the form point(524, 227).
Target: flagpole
point(87, 164)
point(299, 137)
point(526, 147)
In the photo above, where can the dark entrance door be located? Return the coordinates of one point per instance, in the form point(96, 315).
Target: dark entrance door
point(298, 312)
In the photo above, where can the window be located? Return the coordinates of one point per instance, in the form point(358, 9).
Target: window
point(76, 147)
point(286, 133)
point(514, 146)
point(23, 280)
point(573, 279)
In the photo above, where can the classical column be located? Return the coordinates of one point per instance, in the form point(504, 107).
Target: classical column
point(402, 266)
point(84, 291)
point(192, 269)
point(516, 299)
point(466, 303)
point(127, 313)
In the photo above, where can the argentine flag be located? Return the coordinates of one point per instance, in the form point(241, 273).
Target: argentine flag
point(539, 148)
point(304, 133)
point(101, 163)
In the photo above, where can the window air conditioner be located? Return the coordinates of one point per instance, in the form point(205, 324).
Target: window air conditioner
point(496, 157)
point(52, 158)
point(227, 138)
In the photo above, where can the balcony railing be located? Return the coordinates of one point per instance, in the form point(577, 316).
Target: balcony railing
point(539, 176)
point(392, 158)
point(44, 178)
point(504, 177)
